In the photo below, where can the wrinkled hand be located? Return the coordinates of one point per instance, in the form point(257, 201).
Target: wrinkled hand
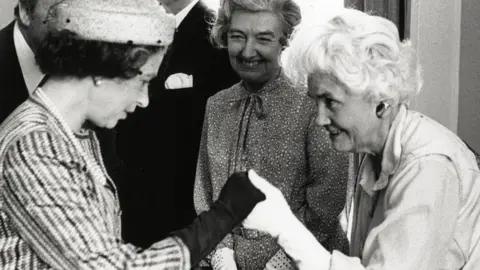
point(224, 259)
point(269, 215)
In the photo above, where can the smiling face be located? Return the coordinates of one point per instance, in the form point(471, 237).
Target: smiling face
point(114, 98)
point(253, 42)
point(349, 118)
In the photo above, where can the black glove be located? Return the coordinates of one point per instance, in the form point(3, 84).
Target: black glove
point(240, 196)
point(236, 200)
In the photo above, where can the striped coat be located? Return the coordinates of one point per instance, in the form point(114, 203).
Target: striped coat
point(58, 212)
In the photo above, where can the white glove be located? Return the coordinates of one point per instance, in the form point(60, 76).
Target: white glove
point(268, 215)
point(273, 216)
point(224, 259)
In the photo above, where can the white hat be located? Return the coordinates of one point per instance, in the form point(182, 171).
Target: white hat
point(142, 22)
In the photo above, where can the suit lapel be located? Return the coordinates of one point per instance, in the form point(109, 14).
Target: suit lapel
point(13, 89)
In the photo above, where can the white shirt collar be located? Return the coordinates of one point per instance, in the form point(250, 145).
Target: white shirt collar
point(30, 70)
point(184, 12)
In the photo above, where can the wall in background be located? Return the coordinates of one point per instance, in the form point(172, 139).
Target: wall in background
point(435, 32)
point(449, 52)
point(469, 83)
point(6, 11)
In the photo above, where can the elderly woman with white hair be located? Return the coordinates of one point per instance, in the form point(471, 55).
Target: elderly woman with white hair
point(416, 203)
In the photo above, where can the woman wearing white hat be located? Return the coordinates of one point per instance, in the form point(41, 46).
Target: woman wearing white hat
point(58, 207)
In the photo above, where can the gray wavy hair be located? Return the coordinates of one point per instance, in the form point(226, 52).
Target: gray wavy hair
point(287, 10)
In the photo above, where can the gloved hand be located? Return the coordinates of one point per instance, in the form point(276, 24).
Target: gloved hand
point(236, 200)
point(240, 196)
point(274, 216)
point(224, 259)
point(270, 215)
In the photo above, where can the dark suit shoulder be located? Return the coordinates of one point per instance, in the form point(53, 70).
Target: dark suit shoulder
point(7, 46)
point(12, 85)
point(7, 31)
point(197, 24)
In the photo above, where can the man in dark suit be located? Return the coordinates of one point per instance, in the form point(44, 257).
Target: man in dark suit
point(159, 144)
point(20, 75)
point(13, 87)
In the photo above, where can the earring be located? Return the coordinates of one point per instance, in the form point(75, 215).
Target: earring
point(381, 108)
point(97, 82)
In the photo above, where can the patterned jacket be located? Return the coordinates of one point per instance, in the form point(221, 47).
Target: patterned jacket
point(59, 211)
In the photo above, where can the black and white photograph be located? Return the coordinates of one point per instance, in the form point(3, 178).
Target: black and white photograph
point(240, 134)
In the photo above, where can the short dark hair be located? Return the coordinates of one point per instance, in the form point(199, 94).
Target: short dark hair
point(63, 53)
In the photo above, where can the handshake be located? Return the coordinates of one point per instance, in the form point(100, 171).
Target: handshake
point(250, 200)
point(256, 202)
point(246, 198)
point(271, 214)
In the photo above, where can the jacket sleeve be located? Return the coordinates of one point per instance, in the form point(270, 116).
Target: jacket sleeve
point(51, 199)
